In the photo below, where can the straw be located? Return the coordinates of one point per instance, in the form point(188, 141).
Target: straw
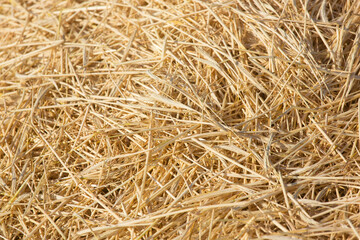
point(179, 119)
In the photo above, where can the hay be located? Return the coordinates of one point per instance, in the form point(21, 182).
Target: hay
point(179, 119)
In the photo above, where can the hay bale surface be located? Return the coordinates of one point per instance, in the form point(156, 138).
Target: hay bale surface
point(179, 119)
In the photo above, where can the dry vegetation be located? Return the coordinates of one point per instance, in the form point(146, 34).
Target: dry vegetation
point(159, 119)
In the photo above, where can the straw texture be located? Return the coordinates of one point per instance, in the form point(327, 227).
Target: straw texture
point(169, 119)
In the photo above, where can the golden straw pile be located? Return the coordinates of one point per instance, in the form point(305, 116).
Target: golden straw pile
point(165, 119)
